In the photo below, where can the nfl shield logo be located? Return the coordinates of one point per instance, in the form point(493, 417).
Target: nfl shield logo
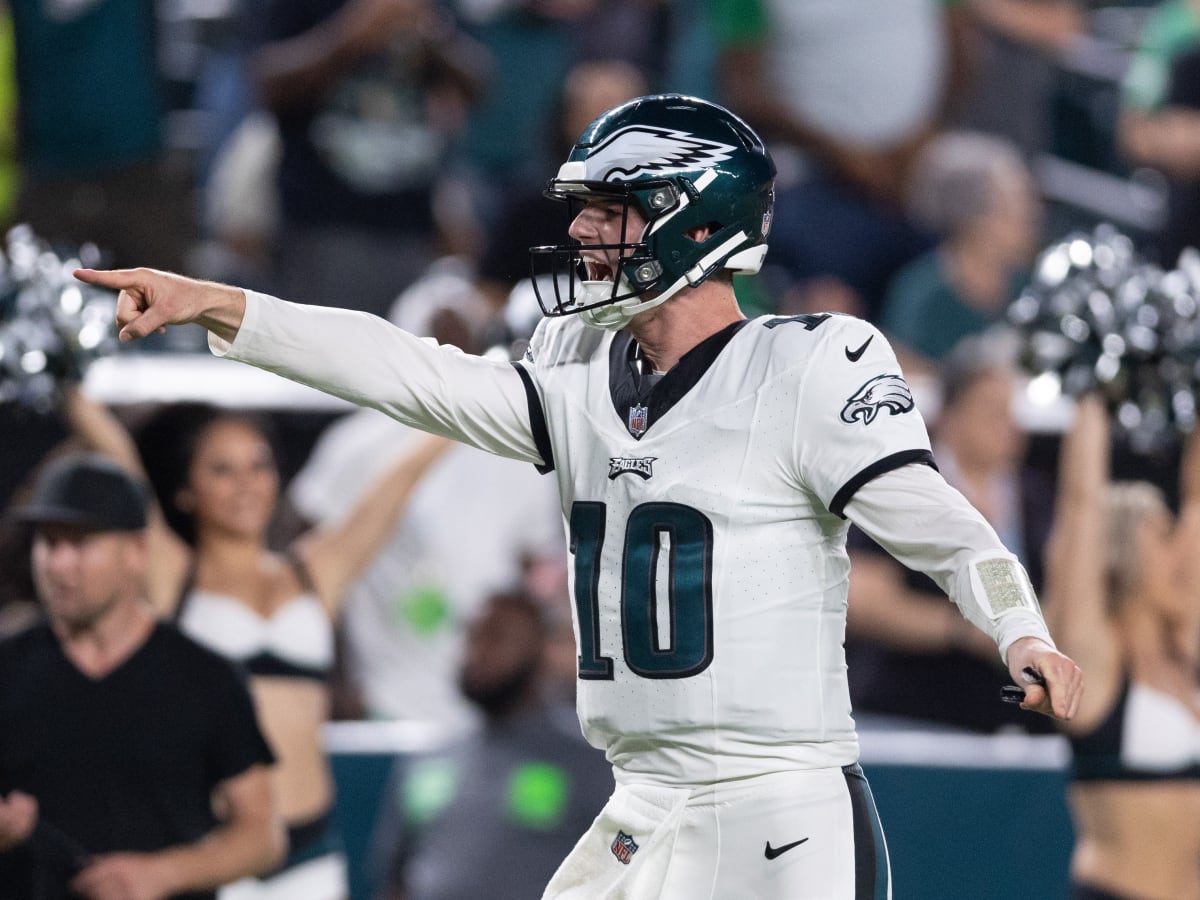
point(637, 420)
point(623, 847)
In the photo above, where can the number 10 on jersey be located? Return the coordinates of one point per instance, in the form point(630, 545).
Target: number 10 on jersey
point(666, 567)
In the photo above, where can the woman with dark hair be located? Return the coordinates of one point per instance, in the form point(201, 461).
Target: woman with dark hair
point(1123, 584)
point(272, 612)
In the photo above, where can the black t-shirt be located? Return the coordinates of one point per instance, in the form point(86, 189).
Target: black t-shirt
point(127, 762)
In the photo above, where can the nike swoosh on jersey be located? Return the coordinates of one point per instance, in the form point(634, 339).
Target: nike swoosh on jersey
point(772, 852)
point(856, 355)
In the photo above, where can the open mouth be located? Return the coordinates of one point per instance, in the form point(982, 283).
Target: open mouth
point(597, 270)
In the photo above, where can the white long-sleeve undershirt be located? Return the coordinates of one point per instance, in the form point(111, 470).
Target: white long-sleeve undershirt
point(929, 526)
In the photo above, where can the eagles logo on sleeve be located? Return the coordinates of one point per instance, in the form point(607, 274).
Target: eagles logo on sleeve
point(883, 392)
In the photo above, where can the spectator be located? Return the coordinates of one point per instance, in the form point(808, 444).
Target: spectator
point(272, 612)
point(1159, 124)
point(405, 617)
point(93, 158)
point(906, 643)
point(1179, 230)
point(368, 95)
point(494, 814)
point(116, 732)
point(975, 192)
point(1123, 592)
point(846, 95)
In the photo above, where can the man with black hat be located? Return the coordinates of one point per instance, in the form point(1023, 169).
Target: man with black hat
point(118, 735)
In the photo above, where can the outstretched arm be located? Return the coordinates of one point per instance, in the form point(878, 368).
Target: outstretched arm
point(352, 355)
point(290, 72)
point(1049, 24)
point(335, 555)
point(884, 609)
point(1166, 139)
point(929, 526)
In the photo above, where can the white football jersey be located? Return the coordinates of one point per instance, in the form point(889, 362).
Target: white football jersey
point(708, 549)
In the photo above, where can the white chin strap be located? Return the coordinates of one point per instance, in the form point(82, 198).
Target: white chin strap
point(615, 316)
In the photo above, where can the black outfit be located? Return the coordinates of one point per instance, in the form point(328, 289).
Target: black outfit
point(127, 762)
point(899, 683)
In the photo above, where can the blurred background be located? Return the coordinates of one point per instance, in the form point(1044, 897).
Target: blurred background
point(1010, 189)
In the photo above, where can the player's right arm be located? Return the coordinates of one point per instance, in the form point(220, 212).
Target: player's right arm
point(352, 355)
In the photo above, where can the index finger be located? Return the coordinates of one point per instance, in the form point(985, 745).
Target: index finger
point(116, 279)
point(136, 315)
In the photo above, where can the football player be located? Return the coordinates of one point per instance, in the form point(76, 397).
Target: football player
point(709, 466)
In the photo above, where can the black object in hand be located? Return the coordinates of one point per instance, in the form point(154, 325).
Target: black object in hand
point(1012, 693)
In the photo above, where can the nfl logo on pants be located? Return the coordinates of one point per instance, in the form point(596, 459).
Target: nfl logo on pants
point(623, 847)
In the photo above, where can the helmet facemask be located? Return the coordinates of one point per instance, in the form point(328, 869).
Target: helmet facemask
point(607, 296)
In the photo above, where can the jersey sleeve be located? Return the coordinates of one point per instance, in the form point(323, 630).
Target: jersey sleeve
point(930, 527)
point(368, 361)
point(546, 350)
point(856, 417)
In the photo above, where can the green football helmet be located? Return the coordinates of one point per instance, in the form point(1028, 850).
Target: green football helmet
point(683, 163)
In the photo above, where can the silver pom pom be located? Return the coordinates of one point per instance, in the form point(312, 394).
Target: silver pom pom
point(51, 326)
point(1099, 317)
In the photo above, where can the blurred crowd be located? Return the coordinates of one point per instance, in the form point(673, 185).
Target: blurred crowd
point(389, 156)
